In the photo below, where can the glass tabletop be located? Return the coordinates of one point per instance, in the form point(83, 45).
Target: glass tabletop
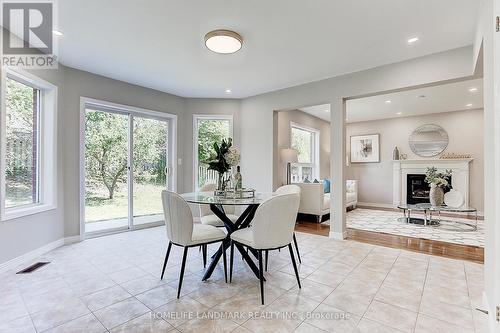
point(428, 206)
point(209, 198)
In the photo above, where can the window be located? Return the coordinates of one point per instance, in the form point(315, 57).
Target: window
point(28, 153)
point(22, 107)
point(306, 142)
point(207, 130)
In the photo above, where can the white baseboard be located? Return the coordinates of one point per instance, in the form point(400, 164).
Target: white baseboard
point(30, 256)
point(338, 235)
point(373, 204)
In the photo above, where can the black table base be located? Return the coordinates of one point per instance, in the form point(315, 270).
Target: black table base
point(242, 222)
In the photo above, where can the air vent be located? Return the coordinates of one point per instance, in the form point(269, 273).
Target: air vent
point(33, 267)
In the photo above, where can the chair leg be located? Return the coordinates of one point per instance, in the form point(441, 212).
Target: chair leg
point(231, 258)
point(294, 265)
point(204, 250)
point(184, 256)
point(166, 259)
point(224, 263)
point(267, 258)
point(261, 277)
point(296, 247)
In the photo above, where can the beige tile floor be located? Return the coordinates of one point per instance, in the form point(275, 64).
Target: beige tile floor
point(111, 284)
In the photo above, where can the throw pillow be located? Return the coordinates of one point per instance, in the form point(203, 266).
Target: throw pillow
point(326, 185)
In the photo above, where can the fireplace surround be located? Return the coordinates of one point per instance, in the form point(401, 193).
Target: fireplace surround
point(402, 168)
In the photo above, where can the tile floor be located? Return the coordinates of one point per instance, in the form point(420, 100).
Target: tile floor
point(111, 284)
point(391, 223)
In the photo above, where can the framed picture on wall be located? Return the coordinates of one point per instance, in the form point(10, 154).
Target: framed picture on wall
point(365, 148)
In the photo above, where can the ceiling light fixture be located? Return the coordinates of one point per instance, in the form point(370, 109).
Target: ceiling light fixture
point(473, 89)
point(412, 40)
point(469, 105)
point(388, 101)
point(399, 113)
point(228, 91)
point(57, 33)
point(223, 41)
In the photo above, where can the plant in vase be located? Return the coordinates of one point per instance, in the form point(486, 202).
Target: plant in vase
point(438, 182)
point(225, 157)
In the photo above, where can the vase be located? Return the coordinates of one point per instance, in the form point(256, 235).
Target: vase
point(436, 196)
point(221, 184)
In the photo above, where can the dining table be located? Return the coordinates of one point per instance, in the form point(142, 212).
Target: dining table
point(217, 204)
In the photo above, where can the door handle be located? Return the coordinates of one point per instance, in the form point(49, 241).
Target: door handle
point(166, 171)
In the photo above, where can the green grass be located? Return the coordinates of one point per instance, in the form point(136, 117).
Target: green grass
point(147, 200)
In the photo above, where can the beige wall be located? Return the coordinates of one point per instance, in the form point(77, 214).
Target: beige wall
point(465, 132)
point(282, 128)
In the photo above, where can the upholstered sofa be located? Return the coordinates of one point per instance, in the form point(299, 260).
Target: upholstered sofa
point(314, 201)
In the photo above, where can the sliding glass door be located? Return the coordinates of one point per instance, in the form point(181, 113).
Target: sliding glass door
point(127, 165)
point(151, 168)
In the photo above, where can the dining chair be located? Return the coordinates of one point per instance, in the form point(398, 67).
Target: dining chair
point(207, 217)
point(272, 228)
point(287, 189)
point(181, 231)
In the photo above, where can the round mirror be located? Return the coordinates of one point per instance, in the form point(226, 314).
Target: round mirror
point(428, 140)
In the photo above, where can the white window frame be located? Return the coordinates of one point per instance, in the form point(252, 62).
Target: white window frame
point(47, 161)
point(315, 149)
point(197, 117)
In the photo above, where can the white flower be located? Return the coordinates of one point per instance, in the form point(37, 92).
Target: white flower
point(232, 156)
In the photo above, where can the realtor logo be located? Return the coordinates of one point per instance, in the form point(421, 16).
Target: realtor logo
point(27, 34)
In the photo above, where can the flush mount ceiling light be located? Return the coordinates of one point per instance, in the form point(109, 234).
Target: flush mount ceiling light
point(399, 113)
point(228, 91)
point(469, 105)
point(412, 40)
point(388, 101)
point(473, 89)
point(223, 41)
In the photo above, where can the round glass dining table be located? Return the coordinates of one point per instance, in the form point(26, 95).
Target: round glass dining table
point(217, 204)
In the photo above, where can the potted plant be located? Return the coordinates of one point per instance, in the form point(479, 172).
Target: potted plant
point(225, 157)
point(438, 182)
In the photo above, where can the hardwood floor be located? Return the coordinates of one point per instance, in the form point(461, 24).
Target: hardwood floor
point(443, 249)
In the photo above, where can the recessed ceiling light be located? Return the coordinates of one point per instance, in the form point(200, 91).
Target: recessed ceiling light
point(398, 113)
point(327, 110)
point(223, 41)
point(228, 91)
point(469, 105)
point(412, 40)
point(473, 89)
point(388, 101)
point(57, 33)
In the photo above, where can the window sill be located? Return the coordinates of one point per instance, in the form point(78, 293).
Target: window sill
point(15, 213)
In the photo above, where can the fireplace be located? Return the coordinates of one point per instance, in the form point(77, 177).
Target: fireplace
point(417, 189)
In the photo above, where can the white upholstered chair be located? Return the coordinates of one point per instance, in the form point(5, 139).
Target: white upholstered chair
point(272, 228)
point(207, 216)
point(288, 189)
point(181, 230)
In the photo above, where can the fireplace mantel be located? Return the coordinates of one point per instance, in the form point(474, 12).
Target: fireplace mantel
point(401, 168)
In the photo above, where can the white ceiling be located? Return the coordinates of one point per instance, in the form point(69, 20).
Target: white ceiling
point(442, 98)
point(159, 43)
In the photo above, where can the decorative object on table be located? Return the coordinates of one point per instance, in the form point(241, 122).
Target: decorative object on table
point(454, 198)
point(428, 140)
point(244, 193)
point(365, 148)
point(225, 157)
point(438, 182)
point(403, 156)
point(238, 180)
point(288, 156)
point(454, 156)
point(395, 154)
